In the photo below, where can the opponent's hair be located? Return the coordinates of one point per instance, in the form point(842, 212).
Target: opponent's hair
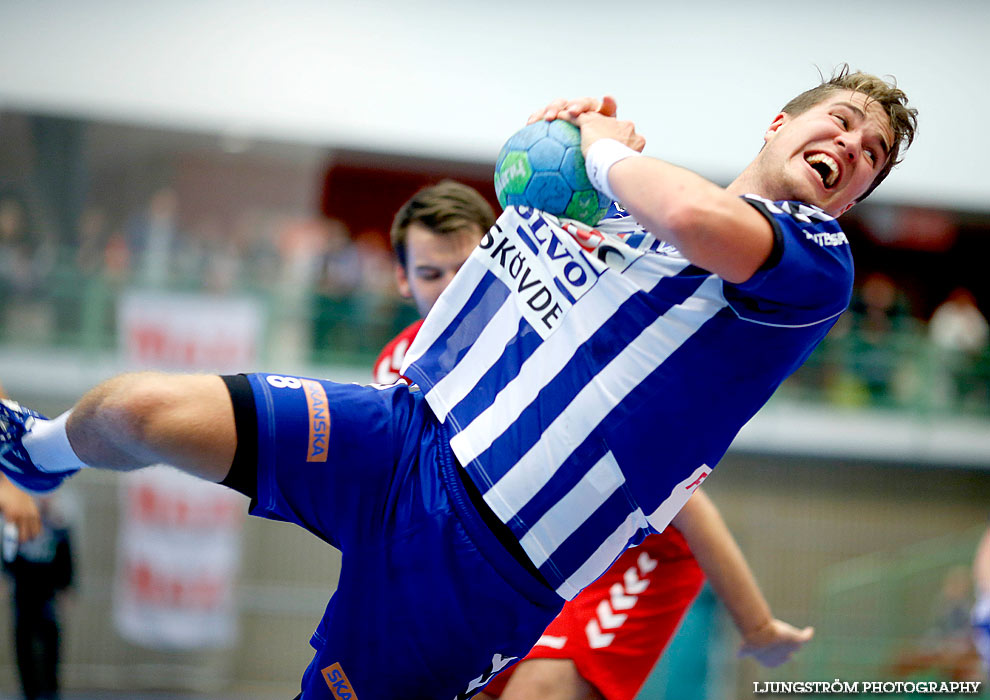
point(443, 208)
point(903, 119)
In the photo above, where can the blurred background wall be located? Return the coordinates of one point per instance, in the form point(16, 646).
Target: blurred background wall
point(166, 169)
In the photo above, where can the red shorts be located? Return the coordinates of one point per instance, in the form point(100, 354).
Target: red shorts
point(616, 629)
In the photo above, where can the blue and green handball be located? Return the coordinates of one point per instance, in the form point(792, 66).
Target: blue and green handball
point(541, 166)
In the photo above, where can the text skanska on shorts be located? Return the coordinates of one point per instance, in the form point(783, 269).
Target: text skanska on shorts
point(848, 688)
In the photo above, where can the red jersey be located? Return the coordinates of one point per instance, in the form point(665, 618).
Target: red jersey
point(615, 629)
point(390, 358)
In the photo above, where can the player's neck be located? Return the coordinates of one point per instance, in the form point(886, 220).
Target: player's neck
point(748, 182)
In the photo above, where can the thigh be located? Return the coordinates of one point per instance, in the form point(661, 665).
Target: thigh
point(327, 452)
point(548, 679)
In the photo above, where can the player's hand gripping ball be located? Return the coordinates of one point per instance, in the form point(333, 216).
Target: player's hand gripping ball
point(541, 166)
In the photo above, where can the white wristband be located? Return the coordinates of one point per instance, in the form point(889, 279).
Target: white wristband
point(48, 446)
point(603, 154)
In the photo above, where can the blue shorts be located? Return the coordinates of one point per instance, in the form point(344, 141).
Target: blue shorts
point(429, 604)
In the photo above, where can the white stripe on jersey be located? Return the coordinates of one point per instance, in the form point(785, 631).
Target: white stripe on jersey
point(679, 495)
point(559, 523)
point(480, 357)
point(603, 557)
point(547, 360)
point(623, 374)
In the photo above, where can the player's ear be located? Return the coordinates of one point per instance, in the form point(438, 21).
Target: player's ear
point(402, 282)
point(778, 121)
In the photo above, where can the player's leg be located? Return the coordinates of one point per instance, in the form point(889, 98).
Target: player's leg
point(124, 423)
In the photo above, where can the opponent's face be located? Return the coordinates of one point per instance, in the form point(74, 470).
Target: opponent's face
point(432, 260)
point(828, 155)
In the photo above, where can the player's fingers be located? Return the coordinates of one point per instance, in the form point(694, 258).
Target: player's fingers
point(580, 106)
point(30, 529)
point(608, 106)
point(549, 112)
point(27, 528)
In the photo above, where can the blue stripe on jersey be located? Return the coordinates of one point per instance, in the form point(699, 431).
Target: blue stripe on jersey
point(591, 449)
point(458, 337)
point(525, 238)
point(522, 346)
point(563, 290)
point(574, 551)
point(607, 342)
point(634, 240)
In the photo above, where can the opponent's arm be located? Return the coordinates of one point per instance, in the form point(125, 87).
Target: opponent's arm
point(711, 227)
point(768, 640)
point(135, 420)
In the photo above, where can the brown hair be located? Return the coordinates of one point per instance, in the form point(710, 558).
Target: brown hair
point(903, 119)
point(446, 207)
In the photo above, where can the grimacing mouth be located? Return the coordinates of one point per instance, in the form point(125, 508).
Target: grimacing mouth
point(826, 167)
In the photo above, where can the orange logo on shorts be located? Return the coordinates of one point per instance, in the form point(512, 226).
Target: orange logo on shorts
point(319, 420)
point(338, 683)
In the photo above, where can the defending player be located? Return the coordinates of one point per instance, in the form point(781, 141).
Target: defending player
point(605, 642)
point(573, 388)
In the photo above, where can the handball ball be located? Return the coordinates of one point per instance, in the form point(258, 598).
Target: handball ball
point(541, 166)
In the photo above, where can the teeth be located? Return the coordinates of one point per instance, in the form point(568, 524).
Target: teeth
point(833, 168)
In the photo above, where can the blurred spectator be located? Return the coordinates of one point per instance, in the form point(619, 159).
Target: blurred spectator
point(960, 334)
point(25, 260)
point(378, 302)
point(946, 651)
point(78, 287)
point(336, 318)
point(41, 571)
point(92, 237)
point(878, 345)
point(377, 281)
point(259, 249)
point(950, 614)
point(153, 238)
point(303, 244)
point(208, 257)
point(957, 325)
point(341, 267)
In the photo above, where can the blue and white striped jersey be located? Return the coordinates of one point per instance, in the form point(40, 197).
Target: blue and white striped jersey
point(591, 378)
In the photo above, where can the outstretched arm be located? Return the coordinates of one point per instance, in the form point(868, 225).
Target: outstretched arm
point(135, 420)
point(768, 640)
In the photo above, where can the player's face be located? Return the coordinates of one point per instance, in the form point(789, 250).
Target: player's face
point(828, 155)
point(432, 260)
